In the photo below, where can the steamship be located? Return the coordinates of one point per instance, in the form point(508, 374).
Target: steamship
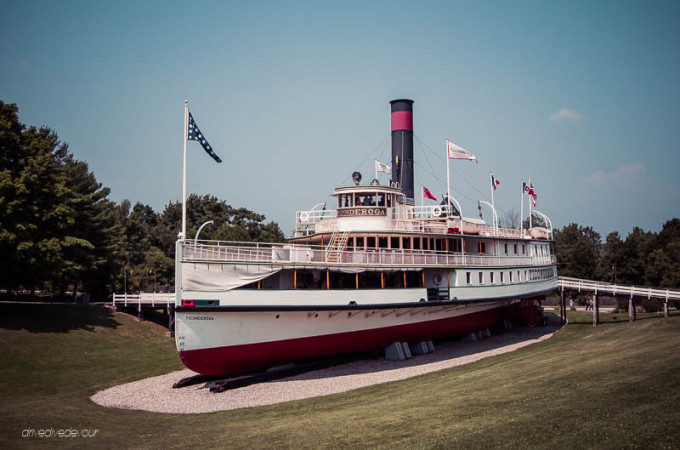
point(376, 270)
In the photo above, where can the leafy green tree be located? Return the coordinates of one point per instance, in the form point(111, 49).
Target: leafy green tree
point(57, 227)
point(662, 268)
point(578, 250)
point(636, 248)
point(613, 260)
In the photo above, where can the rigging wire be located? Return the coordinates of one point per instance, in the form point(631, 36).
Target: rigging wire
point(458, 174)
point(429, 170)
point(372, 152)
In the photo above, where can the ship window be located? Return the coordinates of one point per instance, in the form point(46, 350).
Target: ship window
point(506, 249)
point(407, 242)
point(524, 250)
point(501, 277)
point(510, 273)
point(360, 243)
point(394, 242)
point(454, 245)
point(370, 242)
point(416, 243)
point(515, 249)
point(482, 247)
point(382, 242)
point(467, 277)
point(491, 278)
point(481, 277)
point(381, 200)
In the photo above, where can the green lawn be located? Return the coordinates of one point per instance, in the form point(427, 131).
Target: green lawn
point(613, 386)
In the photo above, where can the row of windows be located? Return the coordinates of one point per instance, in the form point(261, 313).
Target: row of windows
point(423, 243)
point(325, 279)
point(363, 199)
point(511, 276)
point(322, 279)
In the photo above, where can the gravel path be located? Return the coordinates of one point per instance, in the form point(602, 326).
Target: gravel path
point(157, 395)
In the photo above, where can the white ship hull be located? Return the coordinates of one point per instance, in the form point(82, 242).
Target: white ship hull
point(246, 337)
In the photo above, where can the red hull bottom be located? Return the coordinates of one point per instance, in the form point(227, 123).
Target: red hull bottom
point(240, 359)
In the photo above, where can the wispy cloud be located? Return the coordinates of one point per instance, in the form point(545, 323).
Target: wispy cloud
point(625, 176)
point(565, 114)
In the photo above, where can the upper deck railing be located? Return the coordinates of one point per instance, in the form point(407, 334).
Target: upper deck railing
point(412, 219)
point(289, 254)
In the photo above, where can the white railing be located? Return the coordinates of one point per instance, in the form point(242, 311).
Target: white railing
point(617, 289)
point(314, 216)
point(315, 255)
point(160, 299)
point(417, 222)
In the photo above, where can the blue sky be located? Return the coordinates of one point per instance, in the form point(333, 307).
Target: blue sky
point(581, 97)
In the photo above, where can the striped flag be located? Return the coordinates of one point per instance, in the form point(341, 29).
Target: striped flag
point(194, 134)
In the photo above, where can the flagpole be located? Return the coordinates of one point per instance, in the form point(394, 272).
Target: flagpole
point(531, 225)
point(375, 165)
point(493, 205)
point(448, 177)
point(184, 172)
point(521, 210)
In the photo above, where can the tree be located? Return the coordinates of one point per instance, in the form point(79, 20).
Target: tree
point(612, 261)
point(56, 225)
point(510, 219)
point(662, 268)
point(637, 246)
point(578, 250)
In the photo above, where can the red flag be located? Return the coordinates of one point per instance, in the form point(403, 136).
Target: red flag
point(428, 194)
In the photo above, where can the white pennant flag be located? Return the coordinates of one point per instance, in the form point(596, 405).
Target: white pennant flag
point(382, 167)
point(456, 152)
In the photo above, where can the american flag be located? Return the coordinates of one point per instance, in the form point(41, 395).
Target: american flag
point(194, 134)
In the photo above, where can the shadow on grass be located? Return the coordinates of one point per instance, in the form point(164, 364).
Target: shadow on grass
point(55, 318)
point(586, 317)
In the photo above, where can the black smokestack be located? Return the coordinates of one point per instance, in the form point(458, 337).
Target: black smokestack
point(402, 145)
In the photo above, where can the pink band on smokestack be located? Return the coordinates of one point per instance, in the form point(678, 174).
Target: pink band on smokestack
point(402, 120)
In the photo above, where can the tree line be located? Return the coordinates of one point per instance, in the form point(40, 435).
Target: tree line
point(60, 232)
point(642, 258)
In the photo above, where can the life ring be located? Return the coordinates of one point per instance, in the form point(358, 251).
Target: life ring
point(438, 279)
point(436, 211)
point(304, 216)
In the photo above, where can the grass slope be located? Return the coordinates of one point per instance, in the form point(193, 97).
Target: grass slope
point(617, 385)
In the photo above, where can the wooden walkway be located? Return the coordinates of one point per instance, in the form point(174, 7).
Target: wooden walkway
point(149, 301)
point(146, 299)
point(601, 287)
point(617, 290)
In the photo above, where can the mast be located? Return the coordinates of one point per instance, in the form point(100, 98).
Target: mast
point(521, 210)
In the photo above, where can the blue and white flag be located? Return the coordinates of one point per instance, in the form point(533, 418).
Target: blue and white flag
point(194, 134)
